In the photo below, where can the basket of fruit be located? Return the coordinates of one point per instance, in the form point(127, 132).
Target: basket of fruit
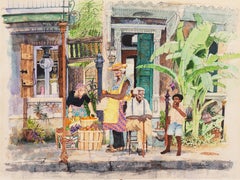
point(88, 121)
point(90, 138)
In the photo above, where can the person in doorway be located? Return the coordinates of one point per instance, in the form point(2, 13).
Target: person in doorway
point(76, 99)
point(176, 118)
point(114, 117)
point(139, 112)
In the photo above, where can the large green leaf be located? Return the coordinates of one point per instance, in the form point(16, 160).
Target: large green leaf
point(219, 84)
point(222, 36)
point(229, 56)
point(196, 39)
point(198, 62)
point(180, 35)
point(216, 77)
point(174, 55)
point(203, 70)
point(198, 18)
point(159, 68)
point(168, 47)
point(207, 82)
point(212, 58)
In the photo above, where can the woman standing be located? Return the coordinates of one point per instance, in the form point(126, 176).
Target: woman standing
point(114, 117)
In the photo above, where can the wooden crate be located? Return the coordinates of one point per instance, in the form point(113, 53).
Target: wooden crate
point(90, 140)
point(71, 140)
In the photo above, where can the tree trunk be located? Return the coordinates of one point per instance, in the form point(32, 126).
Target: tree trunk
point(196, 118)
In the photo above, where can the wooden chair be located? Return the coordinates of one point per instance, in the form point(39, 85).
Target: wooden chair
point(131, 139)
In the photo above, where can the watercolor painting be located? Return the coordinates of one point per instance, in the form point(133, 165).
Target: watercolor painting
point(93, 89)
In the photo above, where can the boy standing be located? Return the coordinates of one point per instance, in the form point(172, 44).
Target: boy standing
point(176, 117)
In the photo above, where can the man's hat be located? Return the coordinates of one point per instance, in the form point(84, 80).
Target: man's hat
point(117, 66)
point(136, 89)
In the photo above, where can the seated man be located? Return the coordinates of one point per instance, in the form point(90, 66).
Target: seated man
point(138, 111)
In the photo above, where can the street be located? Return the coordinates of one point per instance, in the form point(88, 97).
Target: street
point(151, 174)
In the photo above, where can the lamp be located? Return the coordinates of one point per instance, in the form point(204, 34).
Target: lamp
point(46, 62)
point(111, 53)
point(73, 15)
point(99, 65)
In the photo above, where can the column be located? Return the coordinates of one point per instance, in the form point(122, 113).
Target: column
point(117, 44)
point(156, 77)
point(63, 156)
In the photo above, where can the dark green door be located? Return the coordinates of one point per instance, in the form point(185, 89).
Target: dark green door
point(144, 77)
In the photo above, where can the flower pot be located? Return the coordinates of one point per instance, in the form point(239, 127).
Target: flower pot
point(217, 134)
point(28, 135)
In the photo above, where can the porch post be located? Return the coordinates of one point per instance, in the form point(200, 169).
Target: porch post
point(117, 44)
point(63, 156)
point(156, 77)
point(166, 118)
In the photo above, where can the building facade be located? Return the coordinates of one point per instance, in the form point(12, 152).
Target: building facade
point(132, 29)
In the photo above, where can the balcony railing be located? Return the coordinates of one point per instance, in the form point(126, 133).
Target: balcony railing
point(79, 49)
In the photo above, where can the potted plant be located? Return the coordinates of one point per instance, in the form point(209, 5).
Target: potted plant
point(33, 132)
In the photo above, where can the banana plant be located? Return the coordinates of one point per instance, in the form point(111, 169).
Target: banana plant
point(195, 65)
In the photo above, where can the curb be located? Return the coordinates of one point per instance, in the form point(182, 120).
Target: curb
point(107, 166)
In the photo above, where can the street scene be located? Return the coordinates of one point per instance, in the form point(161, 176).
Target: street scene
point(104, 89)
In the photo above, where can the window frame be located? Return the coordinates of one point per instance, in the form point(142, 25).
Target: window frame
point(46, 78)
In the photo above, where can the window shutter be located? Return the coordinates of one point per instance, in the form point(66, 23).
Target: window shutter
point(60, 76)
point(27, 70)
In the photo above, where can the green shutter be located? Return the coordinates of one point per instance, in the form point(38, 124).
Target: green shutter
point(144, 78)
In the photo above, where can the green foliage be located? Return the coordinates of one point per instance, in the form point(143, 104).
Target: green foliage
point(38, 131)
point(162, 119)
point(195, 65)
point(79, 64)
point(205, 132)
point(90, 21)
point(92, 91)
point(49, 135)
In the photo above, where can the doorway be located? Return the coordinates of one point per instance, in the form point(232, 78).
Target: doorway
point(136, 50)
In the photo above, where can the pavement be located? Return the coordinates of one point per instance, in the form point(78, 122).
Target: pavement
point(45, 157)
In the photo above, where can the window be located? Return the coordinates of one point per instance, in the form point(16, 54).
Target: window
point(46, 77)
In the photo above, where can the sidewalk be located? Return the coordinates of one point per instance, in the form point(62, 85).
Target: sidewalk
point(45, 157)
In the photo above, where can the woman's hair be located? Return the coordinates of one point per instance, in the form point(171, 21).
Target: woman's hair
point(79, 85)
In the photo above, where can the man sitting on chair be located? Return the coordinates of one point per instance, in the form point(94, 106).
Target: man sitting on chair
point(138, 112)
